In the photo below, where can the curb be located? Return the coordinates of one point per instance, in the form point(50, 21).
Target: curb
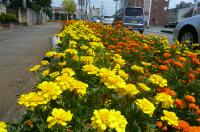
point(166, 31)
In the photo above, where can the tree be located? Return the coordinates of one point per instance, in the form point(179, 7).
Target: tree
point(69, 6)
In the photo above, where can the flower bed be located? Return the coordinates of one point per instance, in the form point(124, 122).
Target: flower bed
point(103, 78)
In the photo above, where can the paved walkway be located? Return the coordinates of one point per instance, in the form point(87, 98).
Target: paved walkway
point(20, 49)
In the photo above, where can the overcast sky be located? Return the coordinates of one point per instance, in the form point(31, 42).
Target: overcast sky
point(109, 5)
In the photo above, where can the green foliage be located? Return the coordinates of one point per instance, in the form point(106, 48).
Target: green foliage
point(7, 18)
point(69, 5)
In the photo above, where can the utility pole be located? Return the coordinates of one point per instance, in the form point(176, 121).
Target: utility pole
point(116, 4)
point(149, 13)
point(86, 6)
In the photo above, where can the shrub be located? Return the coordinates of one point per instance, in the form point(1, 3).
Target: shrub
point(7, 18)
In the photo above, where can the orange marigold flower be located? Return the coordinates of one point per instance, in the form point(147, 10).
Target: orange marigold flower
point(183, 125)
point(165, 128)
point(179, 103)
point(198, 119)
point(190, 98)
point(196, 61)
point(154, 66)
point(198, 70)
point(182, 59)
point(146, 47)
point(168, 61)
point(159, 124)
point(167, 90)
point(198, 112)
point(191, 76)
point(193, 106)
point(178, 64)
point(194, 129)
point(163, 67)
point(192, 55)
point(167, 55)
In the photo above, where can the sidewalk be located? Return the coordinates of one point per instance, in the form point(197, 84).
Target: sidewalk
point(20, 49)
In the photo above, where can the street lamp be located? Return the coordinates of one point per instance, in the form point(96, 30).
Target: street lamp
point(116, 4)
point(24, 3)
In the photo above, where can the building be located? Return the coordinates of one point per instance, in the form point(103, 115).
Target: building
point(158, 14)
point(95, 12)
point(58, 13)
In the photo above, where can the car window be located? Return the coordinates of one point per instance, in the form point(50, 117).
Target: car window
point(134, 12)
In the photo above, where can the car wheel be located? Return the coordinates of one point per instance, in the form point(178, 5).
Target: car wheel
point(141, 31)
point(188, 35)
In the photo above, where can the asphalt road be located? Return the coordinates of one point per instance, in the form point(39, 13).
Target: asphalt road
point(20, 49)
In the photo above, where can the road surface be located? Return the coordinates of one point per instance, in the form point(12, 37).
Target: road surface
point(20, 49)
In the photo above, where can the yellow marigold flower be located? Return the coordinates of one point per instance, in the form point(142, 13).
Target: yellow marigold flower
point(128, 89)
point(63, 81)
point(170, 117)
point(34, 68)
point(95, 45)
point(62, 63)
point(87, 59)
point(90, 69)
point(84, 47)
point(49, 90)
point(45, 62)
point(90, 52)
point(58, 42)
point(59, 55)
point(71, 51)
point(137, 68)
point(143, 86)
point(146, 63)
point(31, 100)
point(50, 53)
point(70, 72)
point(112, 119)
point(3, 127)
point(72, 44)
point(59, 116)
point(113, 82)
point(146, 106)
point(45, 73)
point(117, 67)
point(157, 79)
point(75, 58)
point(54, 74)
point(123, 74)
point(118, 59)
point(78, 86)
point(165, 99)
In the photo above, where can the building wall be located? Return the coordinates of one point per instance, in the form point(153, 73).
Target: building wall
point(2, 8)
point(158, 12)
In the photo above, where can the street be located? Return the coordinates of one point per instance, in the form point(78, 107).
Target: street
point(20, 49)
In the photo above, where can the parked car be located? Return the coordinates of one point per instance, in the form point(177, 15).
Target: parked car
point(132, 18)
point(108, 20)
point(95, 19)
point(188, 29)
point(171, 25)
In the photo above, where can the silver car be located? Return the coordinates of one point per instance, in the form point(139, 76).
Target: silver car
point(188, 29)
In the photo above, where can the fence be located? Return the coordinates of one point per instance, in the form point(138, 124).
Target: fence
point(29, 16)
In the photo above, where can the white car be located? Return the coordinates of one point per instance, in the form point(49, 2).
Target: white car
point(188, 29)
point(108, 20)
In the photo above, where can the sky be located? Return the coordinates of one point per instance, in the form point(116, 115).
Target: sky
point(109, 5)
